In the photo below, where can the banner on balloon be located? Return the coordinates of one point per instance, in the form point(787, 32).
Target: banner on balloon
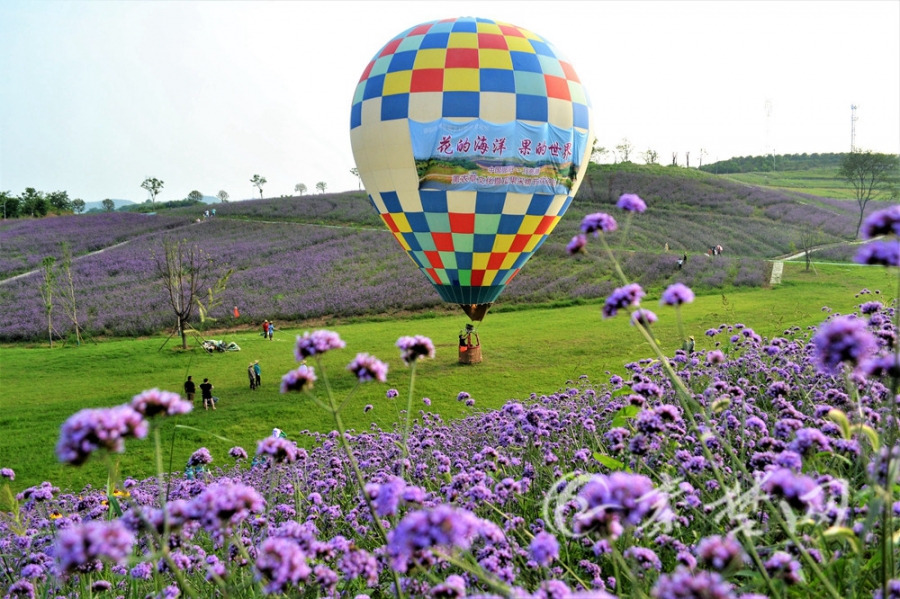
point(512, 157)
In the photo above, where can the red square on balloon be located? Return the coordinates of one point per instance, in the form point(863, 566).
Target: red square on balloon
point(557, 87)
point(443, 242)
point(569, 71)
point(435, 259)
point(389, 221)
point(462, 223)
point(492, 41)
point(433, 275)
point(391, 47)
point(519, 243)
point(477, 278)
point(461, 58)
point(427, 80)
point(544, 225)
point(495, 262)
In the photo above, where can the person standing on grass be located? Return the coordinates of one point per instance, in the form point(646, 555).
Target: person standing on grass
point(190, 389)
point(265, 329)
point(271, 330)
point(257, 370)
point(252, 374)
point(206, 390)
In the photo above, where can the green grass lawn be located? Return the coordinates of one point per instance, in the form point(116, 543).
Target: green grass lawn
point(526, 351)
point(822, 182)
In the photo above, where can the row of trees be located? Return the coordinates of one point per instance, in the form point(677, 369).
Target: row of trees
point(625, 149)
point(37, 203)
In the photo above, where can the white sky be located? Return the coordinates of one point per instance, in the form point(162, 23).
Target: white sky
point(96, 96)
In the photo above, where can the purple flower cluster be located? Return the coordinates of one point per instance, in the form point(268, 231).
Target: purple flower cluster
point(597, 223)
point(631, 203)
point(415, 348)
point(418, 532)
point(98, 428)
point(622, 298)
point(317, 343)
point(280, 449)
point(677, 294)
point(81, 547)
point(299, 379)
point(612, 502)
point(153, 402)
point(368, 368)
point(843, 340)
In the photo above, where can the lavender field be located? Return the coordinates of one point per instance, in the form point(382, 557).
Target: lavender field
point(321, 256)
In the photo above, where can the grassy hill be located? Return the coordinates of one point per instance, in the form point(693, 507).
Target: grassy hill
point(330, 256)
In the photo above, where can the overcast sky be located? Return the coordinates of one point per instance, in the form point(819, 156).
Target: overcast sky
point(96, 96)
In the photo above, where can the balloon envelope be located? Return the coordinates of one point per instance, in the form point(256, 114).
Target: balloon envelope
point(471, 137)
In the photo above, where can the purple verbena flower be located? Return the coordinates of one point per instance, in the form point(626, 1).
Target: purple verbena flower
point(223, 505)
point(368, 368)
point(98, 428)
point(643, 316)
point(417, 532)
point(677, 294)
point(631, 203)
point(577, 244)
point(201, 457)
point(238, 453)
point(300, 379)
point(152, 402)
point(391, 393)
point(798, 490)
point(281, 450)
point(597, 222)
point(782, 565)
point(882, 222)
point(684, 584)
point(720, 553)
point(414, 348)
point(879, 253)
point(79, 547)
point(282, 563)
point(316, 343)
point(454, 587)
point(842, 340)
point(621, 298)
point(611, 502)
point(8, 473)
point(645, 558)
point(544, 548)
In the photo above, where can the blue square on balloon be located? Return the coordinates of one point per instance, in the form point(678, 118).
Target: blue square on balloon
point(433, 201)
point(461, 104)
point(483, 243)
point(521, 260)
point(464, 260)
point(542, 48)
point(402, 61)
point(566, 205)
point(394, 107)
point(417, 222)
point(412, 241)
point(489, 202)
point(463, 26)
point(497, 80)
point(531, 108)
point(510, 224)
point(525, 61)
point(374, 87)
point(580, 117)
point(435, 40)
point(391, 202)
point(539, 204)
point(356, 115)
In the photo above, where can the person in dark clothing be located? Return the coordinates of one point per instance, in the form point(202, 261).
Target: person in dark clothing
point(206, 390)
point(252, 374)
point(257, 371)
point(190, 389)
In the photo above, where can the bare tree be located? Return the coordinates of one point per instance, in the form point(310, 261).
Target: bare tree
point(702, 154)
point(674, 158)
point(153, 187)
point(809, 239)
point(47, 287)
point(598, 152)
point(258, 182)
point(355, 172)
point(300, 188)
point(183, 269)
point(222, 195)
point(321, 186)
point(66, 291)
point(624, 149)
point(650, 156)
point(870, 174)
point(687, 159)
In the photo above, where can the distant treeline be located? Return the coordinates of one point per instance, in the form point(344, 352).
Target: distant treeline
point(779, 162)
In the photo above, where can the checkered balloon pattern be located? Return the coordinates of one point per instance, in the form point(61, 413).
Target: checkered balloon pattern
point(469, 243)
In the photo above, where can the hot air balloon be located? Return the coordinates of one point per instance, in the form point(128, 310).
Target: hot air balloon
point(471, 137)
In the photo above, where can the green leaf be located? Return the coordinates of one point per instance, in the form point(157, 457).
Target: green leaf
point(622, 416)
point(611, 463)
point(200, 430)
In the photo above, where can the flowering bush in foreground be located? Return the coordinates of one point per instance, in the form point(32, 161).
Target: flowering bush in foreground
point(756, 467)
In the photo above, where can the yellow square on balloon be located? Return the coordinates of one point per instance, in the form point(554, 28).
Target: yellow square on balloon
point(430, 58)
point(396, 83)
point(480, 260)
point(461, 80)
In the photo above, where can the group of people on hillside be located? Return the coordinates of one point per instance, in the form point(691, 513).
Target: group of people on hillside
point(268, 330)
point(254, 371)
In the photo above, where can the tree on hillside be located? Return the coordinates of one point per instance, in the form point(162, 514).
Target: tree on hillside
point(153, 187)
point(108, 205)
point(650, 156)
point(183, 269)
point(77, 205)
point(46, 286)
point(66, 291)
point(809, 239)
point(258, 182)
point(598, 152)
point(10, 204)
point(687, 159)
point(59, 201)
point(702, 154)
point(624, 149)
point(355, 172)
point(223, 196)
point(321, 186)
point(871, 174)
point(300, 188)
point(34, 203)
point(195, 196)
point(674, 158)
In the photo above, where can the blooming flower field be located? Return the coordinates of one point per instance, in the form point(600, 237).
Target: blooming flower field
point(765, 467)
